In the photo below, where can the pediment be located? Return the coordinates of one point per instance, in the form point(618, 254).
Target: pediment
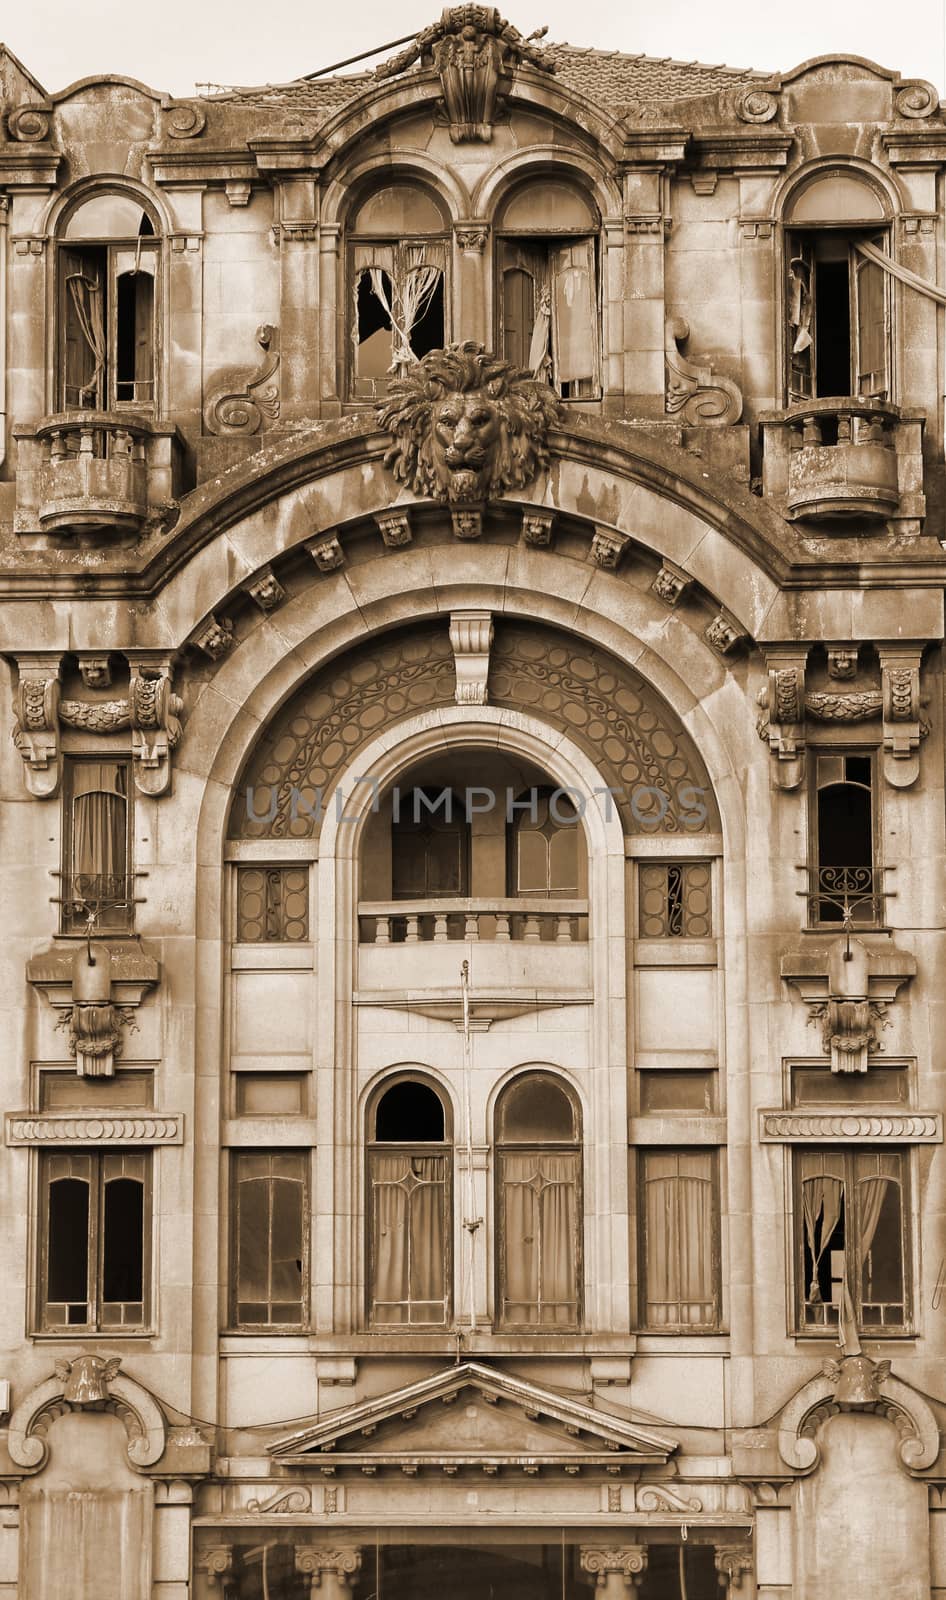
point(472, 1416)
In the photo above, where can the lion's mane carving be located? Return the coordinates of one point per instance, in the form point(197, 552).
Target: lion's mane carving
point(467, 426)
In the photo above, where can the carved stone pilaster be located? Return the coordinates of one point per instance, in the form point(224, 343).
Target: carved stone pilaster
point(671, 583)
point(330, 1568)
point(265, 589)
point(733, 1561)
point(537, 528)
point(616, 1569)
point(695, 393)
point(36, 728)
point(783, 718)
point(394, 528)
point(903, 728)
point(607, 548)
point(327, 554)
point(471, 635)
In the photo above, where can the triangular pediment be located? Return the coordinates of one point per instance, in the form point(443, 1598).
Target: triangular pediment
point(471, 1415)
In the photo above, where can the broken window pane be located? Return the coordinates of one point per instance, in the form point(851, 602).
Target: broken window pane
point(398, 291)
point(851, 1225)
point(271, 1238)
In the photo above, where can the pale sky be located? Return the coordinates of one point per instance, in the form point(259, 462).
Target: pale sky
point(177, 43)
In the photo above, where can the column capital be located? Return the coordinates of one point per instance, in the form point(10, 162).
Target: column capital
point(338, 1562)
point(613, 1565)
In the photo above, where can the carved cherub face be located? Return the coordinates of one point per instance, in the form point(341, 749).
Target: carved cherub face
point(466, 428)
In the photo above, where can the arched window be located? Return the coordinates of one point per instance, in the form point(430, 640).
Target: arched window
point(538, 1205)
point(408, 1207)
point(107, 270)
point(844, 828)
point(838, 293)
point(430, 846)
point(397, 261)
point(545, 847)
point(547, 271)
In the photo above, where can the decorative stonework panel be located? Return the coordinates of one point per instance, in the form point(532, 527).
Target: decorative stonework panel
point(22, 1128)
point(644, 755)
point(865, 1127)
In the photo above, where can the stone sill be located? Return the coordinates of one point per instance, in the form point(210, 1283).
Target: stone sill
point(563, 1346)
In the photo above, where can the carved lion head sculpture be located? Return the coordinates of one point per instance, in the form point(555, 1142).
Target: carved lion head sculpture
point(467, 427)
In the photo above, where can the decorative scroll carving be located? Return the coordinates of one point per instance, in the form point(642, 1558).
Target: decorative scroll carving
point(318, 1561)
point(185, 120)
point(724, 633)
point(86, 1379)
point(694, 391)
point(216, 1562)
point(842, 661)
point(794, 1127)
point(471, 635)
point(476, 52)
point(903, 727)
point(394, 528)
point(468, 427)
point(537, 528)
point(671, 583)
point(215, 637)
point(266, 590)
point(783, 720)
point(36, 724)
point(660, 1497)
point(29, 124)
point(756, 105)
point(858, 706)
point(917, 100)
point(23, 1128)
point(284, 1502)
point(607, 548)
point(155, 714)
point(473, 238)
point(94, 1380)
point(623, 1563)
point(244, 399)
point(327, 554)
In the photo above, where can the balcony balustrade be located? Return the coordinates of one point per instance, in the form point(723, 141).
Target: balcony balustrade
point(95, 472)
point(510, 943)
point(845, 460)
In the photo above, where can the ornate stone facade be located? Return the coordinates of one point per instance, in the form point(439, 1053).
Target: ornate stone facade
point(473, 832)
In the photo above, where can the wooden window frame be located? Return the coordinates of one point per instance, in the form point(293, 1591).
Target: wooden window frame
point(799, 245)
point(506, 1146)
point(111, 268)
point(815, 918)
point(419, 1149)
point(848, 1157)
point(712, 1152)
point(237, 1158)
point(96, 1163)
point(540, 243)
point(122, 921)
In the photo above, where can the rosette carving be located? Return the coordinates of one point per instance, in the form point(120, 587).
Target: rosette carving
point(756, 105)
point(917, 100)
point(185, 120)
point(28, 124)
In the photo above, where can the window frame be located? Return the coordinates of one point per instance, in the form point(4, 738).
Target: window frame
point(395, 246)
point(848, 1156)
point(110, 249)
point(503, 1147)
point(238, 1156)
point(644, 1154)
point(799, 242)
point(876, 919)
point(124, 918)
point(547, 240)
point(97, 1160)
point(411, 1149)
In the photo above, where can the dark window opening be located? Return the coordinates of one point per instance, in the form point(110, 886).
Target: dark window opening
point(409, 1113)
point(548, 309)
point(834, 328)
point(134, 351)
point(270, 1276)
point(838, 333)
point(67, 1259)
point(851, 1231)
point(123, 1240)
point(94, 1240)
point(846, 879)
point(107, 325)
point(399, 310)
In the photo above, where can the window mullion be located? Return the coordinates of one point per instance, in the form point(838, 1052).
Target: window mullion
point(96, 1240)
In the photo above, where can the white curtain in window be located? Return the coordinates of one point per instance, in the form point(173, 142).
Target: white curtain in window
point(86, 296)
point(540, 1196)
point(99, 821)
point(412, 290)
point(409, 1266)
point(821, 1199)
point(679, 1235)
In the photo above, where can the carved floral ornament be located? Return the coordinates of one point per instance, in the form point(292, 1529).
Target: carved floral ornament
point(695, 393)
point(787, 706)
point(476, 53)
point(467, 427)
point(150, 711)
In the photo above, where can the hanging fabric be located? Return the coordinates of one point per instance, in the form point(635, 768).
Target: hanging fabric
point(912, 279)
point(86, 296)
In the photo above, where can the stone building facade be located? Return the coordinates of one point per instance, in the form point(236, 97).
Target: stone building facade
point(473, 832)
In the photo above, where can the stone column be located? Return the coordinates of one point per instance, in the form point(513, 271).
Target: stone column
point(300, 332)
point(733, 1563)
point(471, 283)
point(330, 1568)
point(617, 1569)
point(9, 1540)
point(170, 1572)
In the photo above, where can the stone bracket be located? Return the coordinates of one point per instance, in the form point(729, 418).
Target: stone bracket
point(903, 727)
point(847, 989)
point(695, 392)
point(471, 636)
point(783, 721)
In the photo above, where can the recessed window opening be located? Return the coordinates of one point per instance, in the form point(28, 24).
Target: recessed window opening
point(107, 329)
point(845, 832)
point(538, 1203)
point(408, 1208)
point(94, 1240)
point(408, 1112)
point(851, 1226)
point(839, 317)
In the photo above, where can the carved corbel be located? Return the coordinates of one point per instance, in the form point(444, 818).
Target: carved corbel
point(537, 528)
point(847, 989)
point(607, 548)
point(671, 583)
point(903, 726)
point(36, 728)
point(155, 725)
point(394, 528)
point(467, 522)
point(244, 399)
point(326, 552)
point(214, 637)
point(732, 1562)
point(783, 720)
point(471, 635)
point(695, 392)
point(724, 632)
point(265, 589)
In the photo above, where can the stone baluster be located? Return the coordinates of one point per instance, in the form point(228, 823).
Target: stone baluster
point(502, 926)
point(563, 929)
point(330, 1569)
point(532, 931)
point(471, 925)
point(616, 1569)
point(382, 930)
point(86, 441)
point(412, 936)
point(440, 927)
point(845, 429)
point(811, 431)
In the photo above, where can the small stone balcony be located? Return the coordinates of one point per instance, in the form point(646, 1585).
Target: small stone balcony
point(843, 461)
point(100, 474)
point(532, 943)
